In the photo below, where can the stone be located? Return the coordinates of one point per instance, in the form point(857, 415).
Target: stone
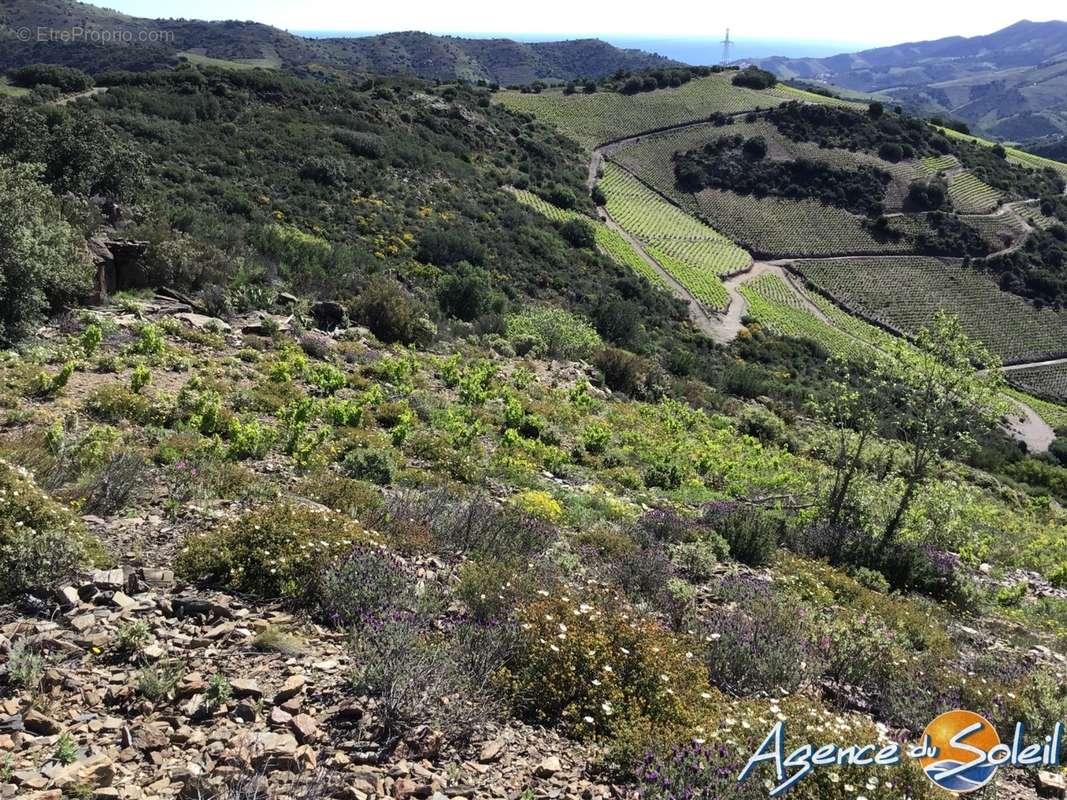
point(123, 600)
point(246, 687)
point(68, 597)
point(293, 685)
point(549, 767)
point(491, 751)
point(1051, 784)
point(36, 722)
point(304, 727)
point(279, 716)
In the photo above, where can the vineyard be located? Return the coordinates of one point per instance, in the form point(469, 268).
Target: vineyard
point(970, 195)
point(1031, 212)
point(934, 165)
point(593, 119)
point(998, 230)
point(608, 241)
point(652, 157)
point(692, 252)
point(1046, 381)
point(772, 226)
point(1015, 156)
point(905, 293)
point(774, 305)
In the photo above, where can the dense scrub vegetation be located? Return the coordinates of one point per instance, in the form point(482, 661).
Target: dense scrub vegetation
point(740, 165)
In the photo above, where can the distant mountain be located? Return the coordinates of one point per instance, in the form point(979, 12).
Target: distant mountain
point(1011, 84)
point(158, 42)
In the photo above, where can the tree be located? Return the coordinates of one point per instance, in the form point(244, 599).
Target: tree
point(857, 404)
point(42, 260)
point(755, 148)
point(467, 292)
point(952, 387)
point(875, 110)
point(578, 232)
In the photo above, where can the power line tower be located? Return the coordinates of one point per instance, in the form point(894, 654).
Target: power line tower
point(726, 48)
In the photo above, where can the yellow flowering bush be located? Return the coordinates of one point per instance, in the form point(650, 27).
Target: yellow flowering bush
point(271, 552)
point(538, 504)
point(591, 666)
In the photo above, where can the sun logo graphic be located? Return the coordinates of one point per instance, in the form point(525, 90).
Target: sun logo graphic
point(958, 749)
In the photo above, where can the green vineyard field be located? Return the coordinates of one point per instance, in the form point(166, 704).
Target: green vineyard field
point(905, 293)
point(772, 226)
point(608, 241)
point(970, 195)
point(593, 119)
point(1046, 381)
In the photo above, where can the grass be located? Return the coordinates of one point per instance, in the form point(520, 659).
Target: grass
point(200, 60)
point(7, 90)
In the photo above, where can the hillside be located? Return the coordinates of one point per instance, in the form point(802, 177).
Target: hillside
point(1011, 84)
point(379, 437)
point(149, 43)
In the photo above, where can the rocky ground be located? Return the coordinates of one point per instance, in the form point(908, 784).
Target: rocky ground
point(289, 724)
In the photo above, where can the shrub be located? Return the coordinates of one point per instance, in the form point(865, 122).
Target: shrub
point(696, 770)
point(274, 552)
point(492, 589)
point(327, 379)
point(591, 667)
point(391, 313)
point(751, 533)
point(755, 78)
point(361, 143)
point(550, 331)
point(759, 642)
point(43, 262)
point(698, 560)
point(375, 466)
point(467, 292)
point(158, 681)
point(41, 542)
point(66, 79)
point(112, 488)
point(473, 525)
point(25, 665)
point(443, 248)
point(352, 497)
point(366, 584)
point(140, 378)
point(538, 504)
point(578, 233)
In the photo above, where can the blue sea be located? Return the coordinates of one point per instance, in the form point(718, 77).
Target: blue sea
point(686, 50)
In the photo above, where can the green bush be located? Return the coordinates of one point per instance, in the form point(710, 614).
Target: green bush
point(273, 552)
point(752, 534)
point(554, 332)
point(43, 263)
point(370, 465)
point(593, 668)
point(391, 313)
point(41, 542)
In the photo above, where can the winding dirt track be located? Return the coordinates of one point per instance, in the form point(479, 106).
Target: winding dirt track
point(723, 327)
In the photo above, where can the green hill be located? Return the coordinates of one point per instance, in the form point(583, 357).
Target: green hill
point(146, 42)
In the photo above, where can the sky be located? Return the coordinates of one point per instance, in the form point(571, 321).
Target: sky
point(844, 21)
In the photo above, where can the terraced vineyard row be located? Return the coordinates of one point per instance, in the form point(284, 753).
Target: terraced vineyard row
point(1048, 381)
point(932, 165)
point(692, 252)
point(652, 158)
point(593, 119)
point(1033, 215)
point(705, 286)
point(608, 241)
point(970, 195)
point(773, 304)
point(1015, 156)
point(999, 230)
point(774, 226)
point(905, 294)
